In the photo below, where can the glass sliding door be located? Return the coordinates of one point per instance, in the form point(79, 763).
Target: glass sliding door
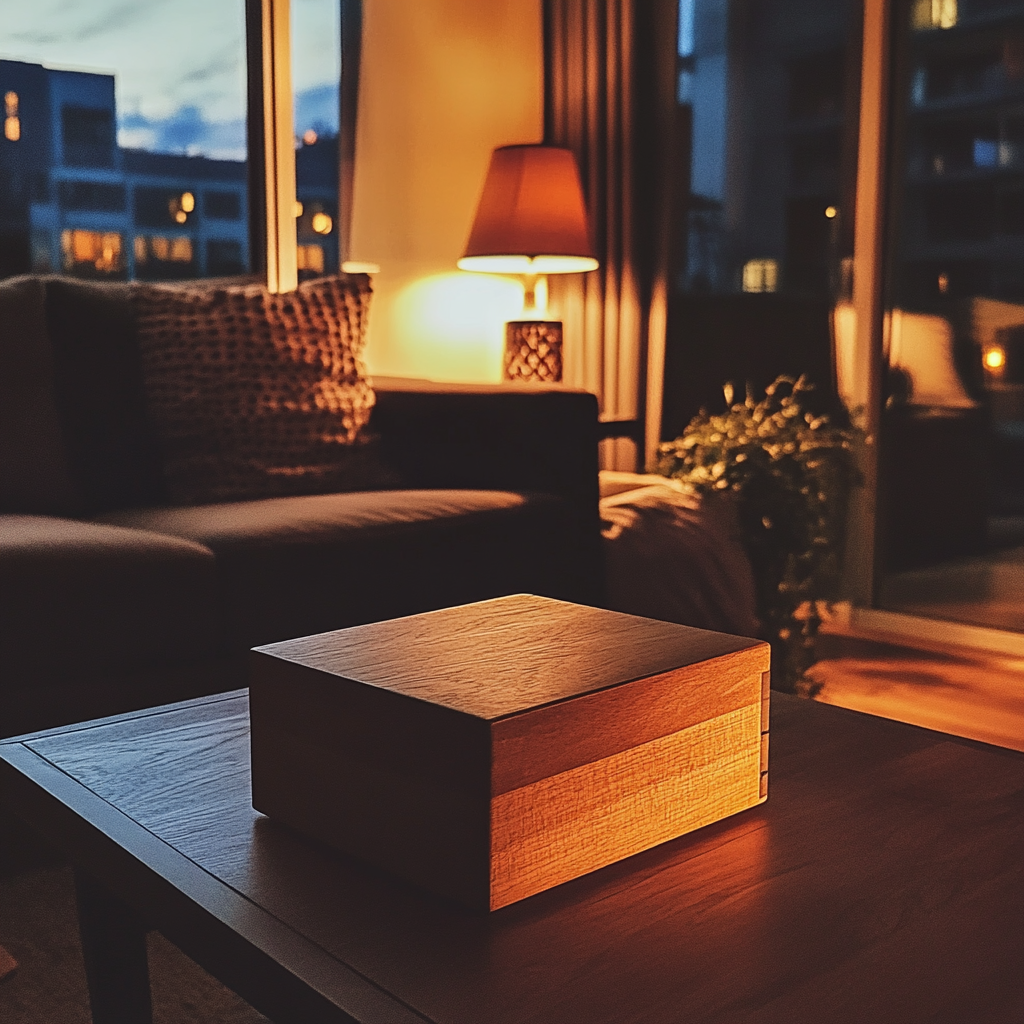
point(123, 154)
point(767, 120)
point(951, 473)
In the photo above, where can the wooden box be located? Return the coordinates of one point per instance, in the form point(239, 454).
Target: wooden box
point(494, 750)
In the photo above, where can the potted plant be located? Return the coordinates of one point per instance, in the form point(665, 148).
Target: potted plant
point(790, 472)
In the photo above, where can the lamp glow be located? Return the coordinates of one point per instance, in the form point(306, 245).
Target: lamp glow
point(531, 221)
point(994, 358)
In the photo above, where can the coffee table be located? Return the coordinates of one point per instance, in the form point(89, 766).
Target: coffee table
point(882, 881)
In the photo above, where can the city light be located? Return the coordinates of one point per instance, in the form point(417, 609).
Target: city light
point(188, 202)
point(12, 123)
point(321, 223)
point(309, 136)
point(298, 209)
point(831, 212)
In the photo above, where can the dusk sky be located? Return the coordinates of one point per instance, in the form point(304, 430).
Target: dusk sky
point(180, 64)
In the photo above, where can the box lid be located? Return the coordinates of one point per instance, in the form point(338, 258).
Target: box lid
point(499, 658)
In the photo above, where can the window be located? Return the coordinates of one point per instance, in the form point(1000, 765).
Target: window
point(88, 136)
point(767, 114)
point(122, 132)
point(93, 253)
point(12, 122)
point(760, 276)
point(91, 195)
point(316, 71)
point(311, 258)
point(222, 205)
point(223, 258)
point(162, 207)
point(164, 257)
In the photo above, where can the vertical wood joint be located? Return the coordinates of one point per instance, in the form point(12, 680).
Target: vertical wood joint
point(766, 692)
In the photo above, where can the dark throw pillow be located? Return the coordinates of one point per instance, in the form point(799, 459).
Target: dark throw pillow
point(256, 394)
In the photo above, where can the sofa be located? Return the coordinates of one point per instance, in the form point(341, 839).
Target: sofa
point(116, 594)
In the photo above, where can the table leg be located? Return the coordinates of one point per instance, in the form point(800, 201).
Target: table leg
point(114, 949)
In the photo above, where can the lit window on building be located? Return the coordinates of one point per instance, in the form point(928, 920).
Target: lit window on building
point(12, 120)
point(162, 248)
point(310, 257)
point(761, 276)
point(100, 252)
point(934, 14)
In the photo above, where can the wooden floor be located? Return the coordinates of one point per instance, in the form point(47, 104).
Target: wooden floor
point(955, 690)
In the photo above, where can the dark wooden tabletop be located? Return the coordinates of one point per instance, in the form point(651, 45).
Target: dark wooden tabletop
point(882, 881)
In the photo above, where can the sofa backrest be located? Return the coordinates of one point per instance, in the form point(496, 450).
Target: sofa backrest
point(75, 437)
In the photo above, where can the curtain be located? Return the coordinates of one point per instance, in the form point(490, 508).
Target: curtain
point(610, 95)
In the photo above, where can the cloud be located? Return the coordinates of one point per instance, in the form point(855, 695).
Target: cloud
point(215, 69)
point(186, 131)
point(317, 108)
point(117, 16)
point(189, 130)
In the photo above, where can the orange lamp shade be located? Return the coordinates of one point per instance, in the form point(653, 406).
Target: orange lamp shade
point(531, 218)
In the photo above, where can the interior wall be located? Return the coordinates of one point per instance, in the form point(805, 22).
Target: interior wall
point(442, 82)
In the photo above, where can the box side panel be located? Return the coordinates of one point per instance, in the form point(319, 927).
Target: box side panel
point(549, 740)
point(573, 823)
point(362, 778)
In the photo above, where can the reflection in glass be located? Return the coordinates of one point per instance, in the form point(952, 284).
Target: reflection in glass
point(767, 101)
point(952, 456)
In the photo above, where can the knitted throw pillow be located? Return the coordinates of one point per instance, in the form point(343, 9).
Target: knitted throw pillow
point(257, 395)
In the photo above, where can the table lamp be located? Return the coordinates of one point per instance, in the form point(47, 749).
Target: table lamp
point(531, 221)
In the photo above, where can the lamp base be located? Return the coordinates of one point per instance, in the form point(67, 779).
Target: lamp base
point(533, 350)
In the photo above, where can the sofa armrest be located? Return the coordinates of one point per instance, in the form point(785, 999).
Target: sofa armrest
point(498, 437)
point(501, 437)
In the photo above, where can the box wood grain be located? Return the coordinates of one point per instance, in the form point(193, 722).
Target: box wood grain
point(491, 751)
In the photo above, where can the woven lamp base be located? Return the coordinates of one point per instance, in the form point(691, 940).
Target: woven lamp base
point(533, 350)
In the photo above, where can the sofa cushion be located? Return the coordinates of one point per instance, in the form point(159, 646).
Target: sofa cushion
point(112, 447)
point(301, 565)
point(257, 394)
point(34, 475)
point(77, 597)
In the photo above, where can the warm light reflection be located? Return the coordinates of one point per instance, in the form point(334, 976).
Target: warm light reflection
point(943, 283)
point(181, 216)
point(994, 358)
point(831, 212)
point(298, 209)
point(321, 223)
point(309, 137)
point(455, 325)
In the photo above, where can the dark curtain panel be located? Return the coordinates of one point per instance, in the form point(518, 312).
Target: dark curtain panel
point(610, 68)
